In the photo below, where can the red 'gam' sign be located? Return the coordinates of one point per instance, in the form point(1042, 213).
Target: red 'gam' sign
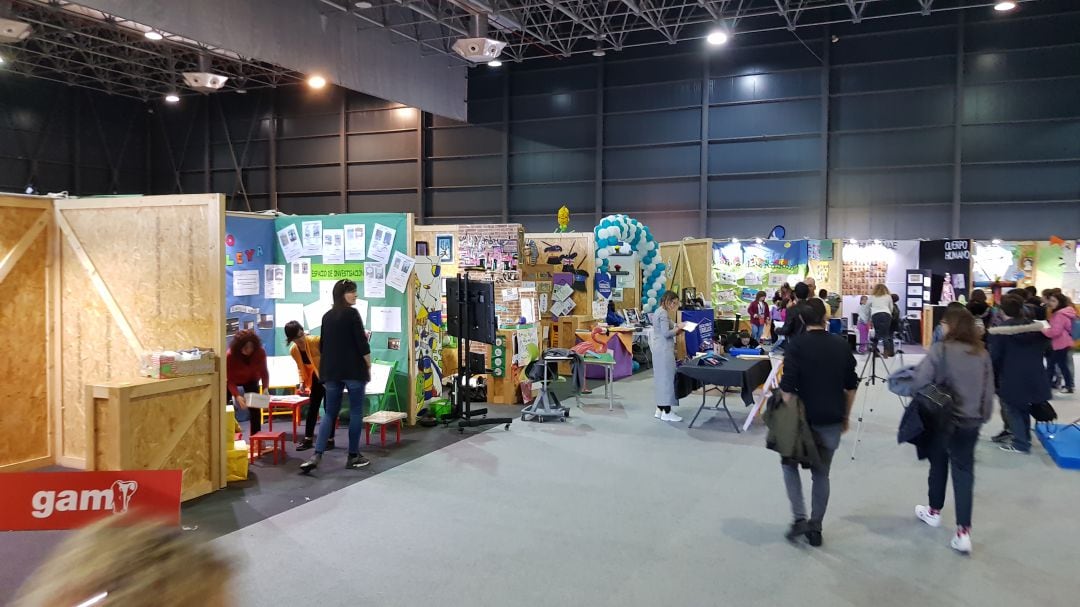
point(38, 501)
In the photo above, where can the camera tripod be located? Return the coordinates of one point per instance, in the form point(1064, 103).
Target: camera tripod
point(871, 364)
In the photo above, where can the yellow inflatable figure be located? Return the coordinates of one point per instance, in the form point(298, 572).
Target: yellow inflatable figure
point(564, 220)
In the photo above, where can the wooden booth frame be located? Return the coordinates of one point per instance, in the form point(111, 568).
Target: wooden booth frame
point(122, 276)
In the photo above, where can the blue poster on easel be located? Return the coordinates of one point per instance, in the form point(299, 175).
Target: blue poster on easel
point(249, 246)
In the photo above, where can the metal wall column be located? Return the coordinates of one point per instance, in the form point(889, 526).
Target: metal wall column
point(273, 128)
point(207, 130)
point(958, 111)
point(598, 191)
point(823, 217)
point(424, 121)
point(703, 184)
point(343, 149)
point(506, 146)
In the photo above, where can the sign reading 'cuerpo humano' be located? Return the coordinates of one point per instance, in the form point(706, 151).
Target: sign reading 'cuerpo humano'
point(957, 249)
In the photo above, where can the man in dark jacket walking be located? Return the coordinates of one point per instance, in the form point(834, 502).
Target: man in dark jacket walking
point(819, 369)
point(1018, 368)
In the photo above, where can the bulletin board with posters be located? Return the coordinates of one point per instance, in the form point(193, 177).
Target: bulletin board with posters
point(741, 269)
point(249, 246)
point(374, 250)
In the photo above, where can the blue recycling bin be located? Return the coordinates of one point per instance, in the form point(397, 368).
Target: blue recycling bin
point(701, 340)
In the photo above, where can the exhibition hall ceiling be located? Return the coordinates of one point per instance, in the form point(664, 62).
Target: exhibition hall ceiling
point(83, 47)
point(560, 28)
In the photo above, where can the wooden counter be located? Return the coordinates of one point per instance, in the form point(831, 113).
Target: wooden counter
point(159, 424)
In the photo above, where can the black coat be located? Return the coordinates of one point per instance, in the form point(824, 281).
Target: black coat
point(1018, 365)
point(343, 346)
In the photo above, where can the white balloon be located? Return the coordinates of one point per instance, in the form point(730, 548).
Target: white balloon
point(603, 253)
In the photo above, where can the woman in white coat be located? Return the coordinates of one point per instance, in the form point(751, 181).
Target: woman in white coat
point(662, 344)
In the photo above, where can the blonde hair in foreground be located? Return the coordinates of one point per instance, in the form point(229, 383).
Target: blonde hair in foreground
point(141, 565)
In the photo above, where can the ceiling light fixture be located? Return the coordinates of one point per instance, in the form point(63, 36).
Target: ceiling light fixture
point(996, 241)
point(363, 5)
point(734, 240)
point(153, 35)
point(316, 82)
point(494, 63)
point(1004, 6)
point(1, 60)
point(758, 240)
point(717, 38)
point(877, 241)
point(853, 241)
point(172, 98)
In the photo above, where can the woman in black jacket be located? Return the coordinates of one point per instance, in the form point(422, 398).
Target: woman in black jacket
point(1018, 368)
point(345, 364)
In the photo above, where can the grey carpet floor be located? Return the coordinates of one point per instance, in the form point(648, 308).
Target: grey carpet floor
point(621, 509)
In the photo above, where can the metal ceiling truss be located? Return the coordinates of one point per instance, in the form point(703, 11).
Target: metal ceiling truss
point(561, 28)
point(89, 49)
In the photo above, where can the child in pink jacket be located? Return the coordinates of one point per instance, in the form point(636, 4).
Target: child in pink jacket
point(1061, 340)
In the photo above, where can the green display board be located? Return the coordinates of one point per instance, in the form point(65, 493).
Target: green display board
point(385, 346)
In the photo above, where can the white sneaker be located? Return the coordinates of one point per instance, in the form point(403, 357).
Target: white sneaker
point(670, 417)
point(658, 413)
point(961, 542)
point(924, 514)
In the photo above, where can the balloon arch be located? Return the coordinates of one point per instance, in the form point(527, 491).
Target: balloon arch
point(616, 229)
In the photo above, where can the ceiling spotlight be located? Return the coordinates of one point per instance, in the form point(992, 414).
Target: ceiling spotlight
point(717, 38)
point(1004, 6)
point(494, 63)
point(853, 241)
point(363, 5)
point(758, 240)
point(1, 60)
point(316, 82)
point(172, 98)
point(153, 35)
point(877, 241)
point(995, 241)
point(734, 240)
point(599, 52)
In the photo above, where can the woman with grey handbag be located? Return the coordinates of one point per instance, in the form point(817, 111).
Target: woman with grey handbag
point(961, 364)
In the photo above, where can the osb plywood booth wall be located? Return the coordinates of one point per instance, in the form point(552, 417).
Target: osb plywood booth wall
point(136, 274)
point(25, 437)
point(548, 253)
point(689, 264)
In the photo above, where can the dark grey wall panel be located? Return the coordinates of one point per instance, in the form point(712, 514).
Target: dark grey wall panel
point(310, 151)
point(1006, 183)
point(314, 124)
point(677, 161)
point(1032, 100)
point(465, 172)
point(540, 199)
point(382, 146)
point(464, 203)
point(465, 141)
point(380, 120)
point(648, 71)
point(651, 197)
point(900, 222)
point(653, 96)
point(553, 166)
point(1022, 64)
point(756, 192)
point(891, 110)
point(481, 111)
point(891, 46)
point(548, 135)
point(1031, 141)
point(395, 175)
point(382, 203)
point(308, 179)
point(740, 224)
point(540, 82)
point(997, 34)
point(890, 187)
point(739, 60)
point(653, 127)
point(309, 205)
point(892, 148)
point(759, 87)
point(918, 73)
point(1021, 222)
point(802, 154)
point(757, 119)
point(553, 106)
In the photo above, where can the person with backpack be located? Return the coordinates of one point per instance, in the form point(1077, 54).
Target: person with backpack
point(1016, 349)
point(960, 364)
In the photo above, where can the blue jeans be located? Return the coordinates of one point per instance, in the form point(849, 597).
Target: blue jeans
point(1019, 416)
point(756, 331)
point(334, 391)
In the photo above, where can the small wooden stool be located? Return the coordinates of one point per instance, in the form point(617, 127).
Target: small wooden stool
point(276, 439)
point(384, 419)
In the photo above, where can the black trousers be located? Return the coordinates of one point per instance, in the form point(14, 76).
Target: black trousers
point(883, 331)
point(318, 393)
point(955, 449)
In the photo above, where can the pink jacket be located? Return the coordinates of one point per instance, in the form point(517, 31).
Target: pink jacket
point(1060, 331)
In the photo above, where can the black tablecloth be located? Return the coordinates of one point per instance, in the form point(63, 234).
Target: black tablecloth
point(745, 374)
